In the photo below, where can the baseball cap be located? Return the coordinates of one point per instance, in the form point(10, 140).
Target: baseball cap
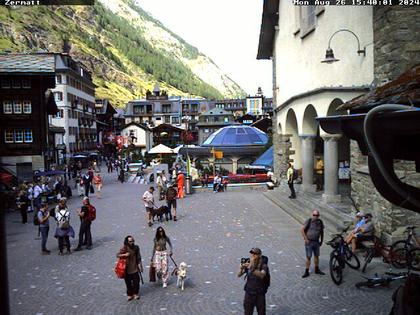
point(256, 251)
point(359, 214)
point(315, 212)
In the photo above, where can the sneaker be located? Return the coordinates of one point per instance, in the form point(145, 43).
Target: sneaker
point(306, 274)
point(137, 297)
point(319, 272)
point(130, 298)
point(175, 218)
point(165, 285)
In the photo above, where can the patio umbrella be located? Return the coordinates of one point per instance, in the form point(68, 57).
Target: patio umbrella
point(161, 149)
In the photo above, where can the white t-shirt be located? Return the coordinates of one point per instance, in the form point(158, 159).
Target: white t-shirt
point(148, 199)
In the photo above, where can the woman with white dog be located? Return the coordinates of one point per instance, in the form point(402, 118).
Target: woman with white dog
point(160, 255)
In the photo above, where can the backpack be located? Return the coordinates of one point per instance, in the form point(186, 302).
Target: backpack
point(295, 174)
point(91, 213)
point(63, 218)
point(267, 277)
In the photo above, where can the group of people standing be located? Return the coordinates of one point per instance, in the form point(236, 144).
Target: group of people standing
point(159, 262)
point(86, 182)
point(64, 230)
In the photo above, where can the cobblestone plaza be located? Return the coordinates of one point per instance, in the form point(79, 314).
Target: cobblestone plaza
point(213, 232)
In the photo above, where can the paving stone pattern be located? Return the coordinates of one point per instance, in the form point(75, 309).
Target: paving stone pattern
point(213, 232)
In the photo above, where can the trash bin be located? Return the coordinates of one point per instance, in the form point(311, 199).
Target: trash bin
point(188, 185)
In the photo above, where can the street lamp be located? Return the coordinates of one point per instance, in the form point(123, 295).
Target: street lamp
point(329, 54)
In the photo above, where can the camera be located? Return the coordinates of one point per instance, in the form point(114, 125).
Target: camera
point(245, 260)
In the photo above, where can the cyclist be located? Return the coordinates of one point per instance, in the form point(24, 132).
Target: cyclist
point(313, 234)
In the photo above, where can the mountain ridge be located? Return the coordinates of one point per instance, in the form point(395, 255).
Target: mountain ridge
point(127, 51)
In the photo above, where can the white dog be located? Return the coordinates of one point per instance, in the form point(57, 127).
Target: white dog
point(182, 275)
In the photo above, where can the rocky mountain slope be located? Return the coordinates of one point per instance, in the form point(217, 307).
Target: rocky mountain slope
point(126, 49)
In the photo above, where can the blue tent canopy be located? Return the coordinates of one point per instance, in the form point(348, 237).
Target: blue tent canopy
point(265, 159)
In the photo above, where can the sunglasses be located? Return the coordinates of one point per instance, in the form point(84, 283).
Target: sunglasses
point(131, 241)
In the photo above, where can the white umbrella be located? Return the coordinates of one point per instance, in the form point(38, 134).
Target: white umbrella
point(161, 149)
point(79, 156)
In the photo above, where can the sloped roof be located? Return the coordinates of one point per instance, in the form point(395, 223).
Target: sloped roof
point(265, 159)
point(27, 63)
point(236, 135)
point(403, 90)
point(137, 125)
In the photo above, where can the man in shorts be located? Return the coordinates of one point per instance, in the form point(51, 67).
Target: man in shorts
point(149, 203)
point(313, 233)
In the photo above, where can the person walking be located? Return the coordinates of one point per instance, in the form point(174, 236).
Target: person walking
point(160, 255)
point(44, 225)
point(290, 175)
point(149, 203)
point(313, 234)
point(64, 230)
point(87, 182)
point(159, 184)
point(180, 180)
point(109, 164)
point(134, 265)
point(171, 194)
point(97, 180)
point(256, 271)
point(85, 235)
point(23, 204)
point(319, 173)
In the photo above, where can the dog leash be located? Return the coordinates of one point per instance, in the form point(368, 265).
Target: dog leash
point(175, 271)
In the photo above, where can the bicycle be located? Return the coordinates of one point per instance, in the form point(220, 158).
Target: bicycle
point(413, 259)
point(375, 248)
point(402, 248)
point(381, 281)
point(341, 256)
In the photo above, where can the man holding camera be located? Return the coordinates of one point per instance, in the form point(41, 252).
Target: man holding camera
point(256, 271)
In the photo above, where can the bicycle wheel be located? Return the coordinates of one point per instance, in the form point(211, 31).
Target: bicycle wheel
point(399, 258)
point(336, 271)
point(414, 259)
point(368, 259)
point(399, 244)
point(351, 259)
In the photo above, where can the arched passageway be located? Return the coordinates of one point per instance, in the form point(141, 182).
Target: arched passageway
point(293, 131)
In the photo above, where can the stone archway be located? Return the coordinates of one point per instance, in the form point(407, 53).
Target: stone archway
point(293, 130)
point(308, 139)
point(336, 160)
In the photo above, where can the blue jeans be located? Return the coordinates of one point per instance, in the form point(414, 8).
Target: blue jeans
point(44, 237)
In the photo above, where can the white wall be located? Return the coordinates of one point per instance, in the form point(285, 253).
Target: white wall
point(298, 61)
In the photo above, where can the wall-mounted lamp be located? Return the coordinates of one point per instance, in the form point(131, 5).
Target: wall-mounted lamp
point(329, 55)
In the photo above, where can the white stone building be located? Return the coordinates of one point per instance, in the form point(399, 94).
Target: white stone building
point(75, 97)
point(139, 135)
point(296, 39)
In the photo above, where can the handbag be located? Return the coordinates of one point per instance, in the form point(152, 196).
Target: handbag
point(91, 190)
point(120, 268)
point(152, 273)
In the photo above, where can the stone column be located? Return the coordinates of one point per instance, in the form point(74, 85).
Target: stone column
point(308, 163)
point(331, 168)
point(234, 164)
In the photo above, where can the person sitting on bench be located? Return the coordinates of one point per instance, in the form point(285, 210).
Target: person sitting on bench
point(363, 233)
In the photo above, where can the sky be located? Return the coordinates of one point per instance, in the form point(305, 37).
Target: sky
point(227, 31)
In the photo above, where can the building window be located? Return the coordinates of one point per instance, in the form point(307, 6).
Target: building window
point(226, 119)
point(27, 107)
point(16, 84)
point(58, 79)
point(175, 120)
point(58, 96)
point(206, 130)
point(307, 19)
point(17, 107)
point(26, 84)
point(5, 84)
point(7, 107)
point(8, 136)
point(18, 136)
point(28, 136)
